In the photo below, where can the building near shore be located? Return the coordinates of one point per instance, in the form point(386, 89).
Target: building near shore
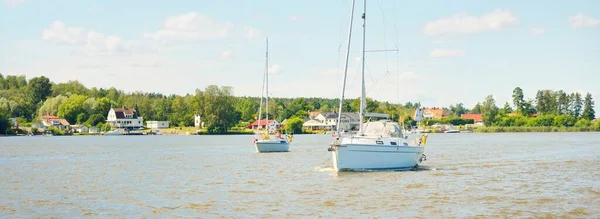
point(124, 118)
point(157, 124)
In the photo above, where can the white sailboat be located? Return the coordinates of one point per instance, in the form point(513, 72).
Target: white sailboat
point(265, 141)
point(378, 145)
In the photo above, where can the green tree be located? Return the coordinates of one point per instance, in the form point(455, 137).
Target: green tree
point(81, 118)
point(577, 104)
point(545, 102)
point(588, 109)
point(2, 82)
point(103, 105)
point(583, 123)
point(294, 125)
point(458, 110)
point(219, 113)
point(562, 102)
point(39, 89)
point(69, 88)
point(476, 109)
point(518, 99)
point(489, 110)
point(564, 121)
point(50, 106)
point(325, 108)
point(4, 123)
point(71, 108)
point(544, 120)
point(506, 109)
point(15, 82)
point(95, 119)
point(528, 108)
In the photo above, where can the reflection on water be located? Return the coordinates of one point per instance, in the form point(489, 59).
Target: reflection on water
point(465, 176)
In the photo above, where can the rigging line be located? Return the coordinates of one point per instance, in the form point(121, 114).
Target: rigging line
point(397, 52)
point(387, 71)
point(395, 25)
point(337, 71)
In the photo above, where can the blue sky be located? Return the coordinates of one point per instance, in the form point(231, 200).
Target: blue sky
point(449, 52)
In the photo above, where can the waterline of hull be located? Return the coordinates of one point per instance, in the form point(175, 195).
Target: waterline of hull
point(265, 147)
point(357, 157)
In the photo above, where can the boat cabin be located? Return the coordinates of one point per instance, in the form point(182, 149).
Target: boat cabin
point(382, 128)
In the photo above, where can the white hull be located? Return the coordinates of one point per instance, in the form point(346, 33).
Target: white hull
point(373, 157)
point(360, 154)
point(263, 146)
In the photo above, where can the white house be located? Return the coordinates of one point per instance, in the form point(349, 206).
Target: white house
point(124, 118)
point(197, 121)
point(80, 128)
point(316, 125)
point(350, 121)
point(157, 124)
point(94, 130)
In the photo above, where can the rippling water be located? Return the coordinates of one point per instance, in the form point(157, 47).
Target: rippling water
point(466, 176)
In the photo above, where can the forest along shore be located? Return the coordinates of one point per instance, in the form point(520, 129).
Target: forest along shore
point(23, 102)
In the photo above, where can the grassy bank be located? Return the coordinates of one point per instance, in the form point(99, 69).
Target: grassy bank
point(532, 129)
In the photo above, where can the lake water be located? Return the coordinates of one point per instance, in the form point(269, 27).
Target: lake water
point(465, 176)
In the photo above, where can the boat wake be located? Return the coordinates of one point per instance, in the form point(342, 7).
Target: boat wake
point(324, 169)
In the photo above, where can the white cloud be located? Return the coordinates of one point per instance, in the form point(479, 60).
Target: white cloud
point(436, 53)
point(13, 3)
point(190, 27)
point(580, 21)
point(462, 23)
point(251, 32)
point(59, 33)
point(537, 31)
point(225, 55)
point(274, 69)
point(93, 43)
point(99, 44)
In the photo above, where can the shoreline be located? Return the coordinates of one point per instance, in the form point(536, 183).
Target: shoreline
point(489, 130)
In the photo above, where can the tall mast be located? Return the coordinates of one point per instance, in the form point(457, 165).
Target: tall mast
point(262, 94)
point(337, 126)
point(267, 82)
point(363, 94)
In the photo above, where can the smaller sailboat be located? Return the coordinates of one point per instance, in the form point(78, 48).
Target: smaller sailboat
point(269, 139)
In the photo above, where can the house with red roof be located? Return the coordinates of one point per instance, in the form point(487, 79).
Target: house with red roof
point(477, 118)
point(432, 113)
point(52, 121)
point(263, 123)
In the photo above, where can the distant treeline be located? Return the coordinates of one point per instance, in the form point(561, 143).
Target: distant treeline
point(221, 110)
point(27, 100)
point(548, 109)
